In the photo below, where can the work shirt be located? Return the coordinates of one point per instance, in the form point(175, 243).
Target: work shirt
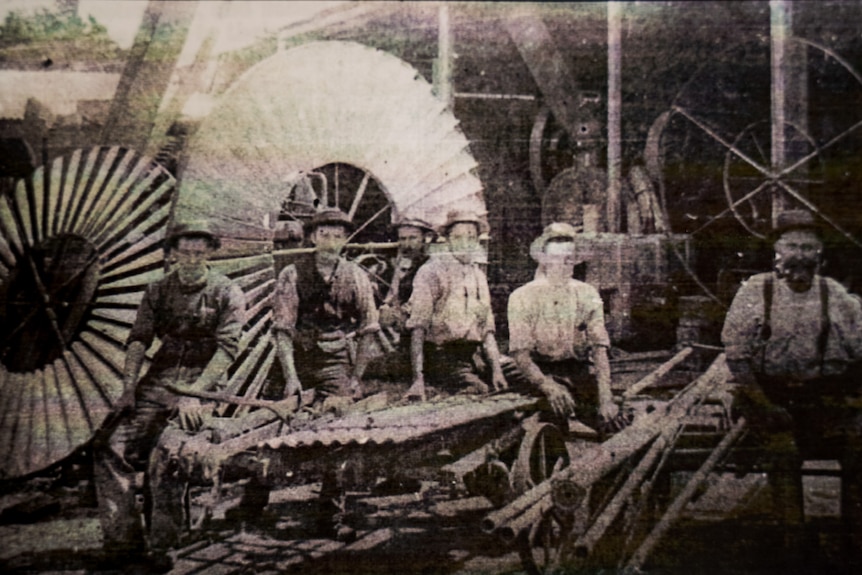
point(792, 348)
point(308, 306)
point(401, 281)
point(451, 301)
point(556, 322)
point(192, 322)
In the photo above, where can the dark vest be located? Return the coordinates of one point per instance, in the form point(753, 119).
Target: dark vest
point(319, 308)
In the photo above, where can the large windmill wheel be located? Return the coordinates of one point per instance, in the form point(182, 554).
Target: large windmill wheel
point(79, 241)
point(713, 150)
point(362, 126)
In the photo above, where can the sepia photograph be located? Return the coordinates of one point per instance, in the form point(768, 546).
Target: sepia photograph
point(430, 287)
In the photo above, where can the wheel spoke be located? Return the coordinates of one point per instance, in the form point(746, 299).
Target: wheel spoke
point(803, 200)
point(358, 197)
point(712, 133)
point(817, 151)
point(733, 206)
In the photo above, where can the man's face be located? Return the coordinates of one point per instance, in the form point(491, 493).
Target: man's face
point(797, 255)
point(411, 241)
point(464, 241)
point(191, 256)
point(558, 259)
point(329, 239)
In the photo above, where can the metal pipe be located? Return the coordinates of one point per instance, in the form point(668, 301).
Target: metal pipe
point(653, 377)
point(443, 76)
point(779, 31)
point(614, 115)
point(673, 512)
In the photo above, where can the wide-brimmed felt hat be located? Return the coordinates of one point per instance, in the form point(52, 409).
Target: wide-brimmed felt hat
point(329, 217)
point(192, 229)
point(552, 231)
point(415, 223)
point(464, 216)
point(790, 220)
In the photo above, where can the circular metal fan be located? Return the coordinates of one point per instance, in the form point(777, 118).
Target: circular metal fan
point(79, 241)
point(326, 103)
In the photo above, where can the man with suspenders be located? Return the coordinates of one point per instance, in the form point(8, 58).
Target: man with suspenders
point(793, 343)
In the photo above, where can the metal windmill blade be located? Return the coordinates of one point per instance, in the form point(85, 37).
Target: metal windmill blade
point(79, 241)
point(326, 103)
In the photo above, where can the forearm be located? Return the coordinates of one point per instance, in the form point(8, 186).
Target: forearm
point(417, 351)
point(363, 355)
point(602, 365)
point(528, 368)
point(492, 352)
point(284, 351)
point(134, 361)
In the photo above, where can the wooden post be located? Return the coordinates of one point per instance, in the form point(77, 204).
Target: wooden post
point(443, 65)
point(614, 115)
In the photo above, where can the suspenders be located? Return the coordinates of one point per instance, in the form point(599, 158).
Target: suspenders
point(822, 337)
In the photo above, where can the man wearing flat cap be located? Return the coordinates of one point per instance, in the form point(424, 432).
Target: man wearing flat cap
point(793, 341)
point(450, 315)
point(198, 315)
point(557, 334)
point(322, 305)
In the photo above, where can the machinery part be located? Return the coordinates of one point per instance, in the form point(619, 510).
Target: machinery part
point(80, 239)
point(728, 143)
point(542, 451)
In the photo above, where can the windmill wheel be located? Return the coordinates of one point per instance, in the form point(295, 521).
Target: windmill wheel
point(79, 241)
point(713, 150)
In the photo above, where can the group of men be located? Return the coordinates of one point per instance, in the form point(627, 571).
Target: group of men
point(326, 319)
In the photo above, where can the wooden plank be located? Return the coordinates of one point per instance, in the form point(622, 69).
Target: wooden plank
point(245, 282)
point(123, 194)
point(79, 424)
point(7, 258)
point(38, 441)
point(131, 250)
point(57, 414)
point(67, 187)
point(146, 260)
point(38, 212)
point(237, 265)
point(9, 227)
point(104, 358)
point(98, 190)
point(83, 366)
point(107, 193)
point(9, 402)
point(140, 280)
point(53, 196)
point(80, 190)
point(235, 247)
point(124, 316)
point(262, 292)
point(11, 441)
point(259, 379)
point(115, 333)
point(131, 298)
point(138, 228)
point(22, 207)
point(243, 372)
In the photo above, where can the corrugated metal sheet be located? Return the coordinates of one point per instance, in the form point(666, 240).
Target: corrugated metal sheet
point(400, 424)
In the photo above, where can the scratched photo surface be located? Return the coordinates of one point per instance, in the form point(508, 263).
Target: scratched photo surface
point(430, 287)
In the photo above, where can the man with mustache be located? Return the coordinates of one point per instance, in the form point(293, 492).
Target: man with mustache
point(793, 340)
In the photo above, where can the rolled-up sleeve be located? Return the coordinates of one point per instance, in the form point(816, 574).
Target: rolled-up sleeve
point(597, 332)
point(522, 321)
point(144, 328)
point(743, 321)
point(425, 290)
point(285, 303)
point(369, 318)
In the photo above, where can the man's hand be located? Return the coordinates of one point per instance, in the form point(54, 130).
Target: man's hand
point(355, 387)
point(558, 396)
point(292, 387)
point(190, 413)
point(498, 379)
point(126, 401)
point(608, 410)
point(417, 390)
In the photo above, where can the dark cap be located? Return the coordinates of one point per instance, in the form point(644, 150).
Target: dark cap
point(329, 217)
point(192, 229)
point(464, 217)
point(790, 220)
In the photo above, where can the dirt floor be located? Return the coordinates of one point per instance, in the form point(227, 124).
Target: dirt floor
point(727, 529)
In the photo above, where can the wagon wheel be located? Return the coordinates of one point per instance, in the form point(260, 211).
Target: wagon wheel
point(551, 150)
point(79, 241)
point(712, 156)
point(542, 451)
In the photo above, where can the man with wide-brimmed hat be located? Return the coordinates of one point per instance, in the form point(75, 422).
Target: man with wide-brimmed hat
point(793, 341)
point(557, 334)
point(414, 237)
point(323, 304)
point(450, 314)
point(198, 315)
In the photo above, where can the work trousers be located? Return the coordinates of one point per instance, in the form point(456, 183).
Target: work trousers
point(131, 449)
point(453, 367)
